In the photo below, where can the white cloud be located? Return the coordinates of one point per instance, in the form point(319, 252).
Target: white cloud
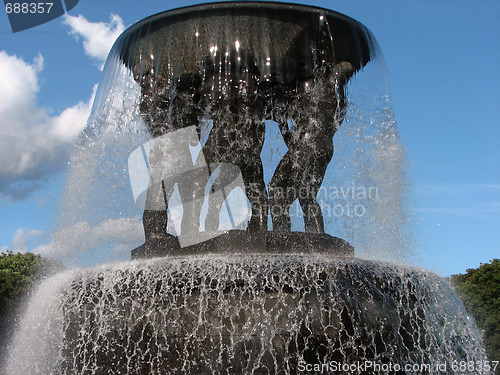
point(67, 243)
point(21, 240)
point(98, 37)
point(19, 81)
point(33, 144)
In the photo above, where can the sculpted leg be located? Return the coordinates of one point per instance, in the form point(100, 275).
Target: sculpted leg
point(155, 216)
point(255, 190)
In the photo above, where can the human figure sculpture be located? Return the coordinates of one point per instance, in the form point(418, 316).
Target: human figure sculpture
point(235, 139)
point(310, 117)
point(216, 76)
point(168, 109)
point(308, 123)
point(237, 136)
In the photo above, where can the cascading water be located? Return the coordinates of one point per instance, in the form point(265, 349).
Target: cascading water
point(217, 124)
point(244, 315)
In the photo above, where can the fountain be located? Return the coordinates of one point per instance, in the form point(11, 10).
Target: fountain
point(224, 118)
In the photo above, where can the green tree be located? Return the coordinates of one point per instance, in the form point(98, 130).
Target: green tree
point(479, 289)
point(19, 273)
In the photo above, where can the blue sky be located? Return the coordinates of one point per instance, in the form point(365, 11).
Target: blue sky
point(442, 60)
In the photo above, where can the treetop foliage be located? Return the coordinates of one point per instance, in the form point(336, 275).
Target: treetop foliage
point(479, 289)
point(19, 273)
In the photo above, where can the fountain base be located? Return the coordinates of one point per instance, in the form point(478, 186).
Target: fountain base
point(253, 314)
point(243, 242)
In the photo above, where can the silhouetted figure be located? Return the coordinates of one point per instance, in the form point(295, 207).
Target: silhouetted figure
point(168, 109)
point(237, 135)
point(308, 123)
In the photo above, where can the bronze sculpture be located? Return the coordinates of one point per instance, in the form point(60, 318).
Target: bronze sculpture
point(209, 64)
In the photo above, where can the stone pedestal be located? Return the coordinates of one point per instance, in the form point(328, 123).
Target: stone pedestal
point(243, 242)
point(260, 314)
